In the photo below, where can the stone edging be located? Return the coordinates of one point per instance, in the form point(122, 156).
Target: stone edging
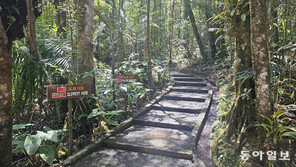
point(126, 124)
point(199, 125)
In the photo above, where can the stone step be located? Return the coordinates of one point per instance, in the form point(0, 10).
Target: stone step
point(196, 84)
point(178, 98)
point(187, 94)
point(162, 108)
point(180, 104)
point(158, 141)
point(192, 79)
point(163, 125)
point(168, 119)
point(122, 158)
point(181, 75)
point(193, 90)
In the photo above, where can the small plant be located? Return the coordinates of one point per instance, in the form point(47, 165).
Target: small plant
point(105, 115)
point(42, 143)
point(275, 130)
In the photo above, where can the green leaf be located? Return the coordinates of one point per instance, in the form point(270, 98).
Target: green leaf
point(124, 88)
point(154, 25)
point(232, 12)
point(19, 145)
point(269, 120)
point(275, 138)
point(51, 135)
point(112, 123)
point(32, 143)
point(47, 153)
point(130, 99)
point(268, 134)
point(219, 15)
point(292, 128)
point(290, 134)
point(94, 113)
point(243, 17)
point(281, 91)
point(116, 112)
point(20, 126)
point(265, 126)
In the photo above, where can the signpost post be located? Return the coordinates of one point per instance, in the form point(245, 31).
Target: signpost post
point(64, 92)
point(126, 79)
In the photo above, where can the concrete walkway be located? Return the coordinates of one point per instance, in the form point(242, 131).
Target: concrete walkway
point(166, 136)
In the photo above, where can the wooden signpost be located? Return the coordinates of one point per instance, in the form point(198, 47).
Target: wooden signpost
point(126, 78)
point(64, 92)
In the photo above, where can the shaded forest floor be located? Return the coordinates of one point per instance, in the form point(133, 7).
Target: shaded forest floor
point(204, 147)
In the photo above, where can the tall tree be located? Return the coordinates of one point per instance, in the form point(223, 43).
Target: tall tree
point(9, 31)
point(242, 113)
point(31, 32)
point(61, 18)
point(121, 49)
point(259, 29)
point(172, 22)
point(5, 98)
point(274, 28)
point(211, 34)
point(195, 30)
point(148, 49)
point(85, 59)
point(186, 32)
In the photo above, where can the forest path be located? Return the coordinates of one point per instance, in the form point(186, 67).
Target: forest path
point(167, 135)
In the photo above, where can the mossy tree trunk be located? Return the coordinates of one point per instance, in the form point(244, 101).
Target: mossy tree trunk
point(85, 59)
point(211, 34)
point(259, 28)
point(9, 31)
point(172, 22)
point(195, 30)
point(31, 32)
point(186, 44)
point(148, 49)
point(61, 18)
point(275, 39)
point(6, 64)
point(243, 111)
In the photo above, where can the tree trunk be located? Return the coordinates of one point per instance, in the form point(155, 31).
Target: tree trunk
point(171, 32)
point(259, 28)
point(148, 49)
point(242, 112)
point(31, 30)
point(6, 64)
point(61, 18)
point(112, 52)
point(186, 44)
point(195, 30)
point(85, 60)
point(211, 34)
point(275, 39)
point(121, 49)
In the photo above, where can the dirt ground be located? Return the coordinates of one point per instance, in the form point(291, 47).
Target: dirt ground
point(203, 147)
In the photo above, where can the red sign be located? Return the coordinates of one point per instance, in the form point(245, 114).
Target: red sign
point(126, 78)
point(58, 95)
point(61, 89)
point(62, 92)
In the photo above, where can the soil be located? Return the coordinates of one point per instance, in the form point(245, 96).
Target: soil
point(203, 147)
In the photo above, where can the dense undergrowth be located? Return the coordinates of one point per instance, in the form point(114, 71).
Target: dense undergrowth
point(280, 126)
point(34, 137)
